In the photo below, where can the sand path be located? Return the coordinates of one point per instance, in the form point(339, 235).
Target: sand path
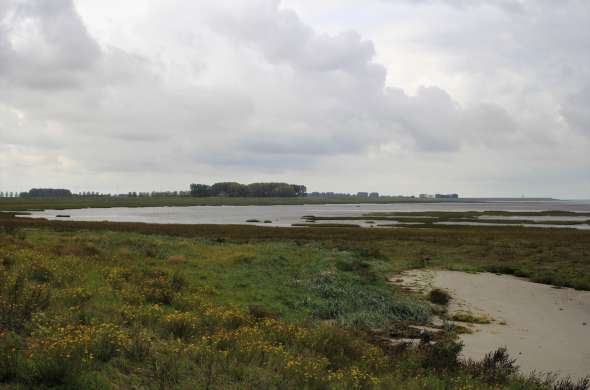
point(544, 328)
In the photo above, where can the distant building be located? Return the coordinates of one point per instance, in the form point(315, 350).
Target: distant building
point(329, 194)
point(446, 196)
point(425, 196)
point(362, 194)
point(374, 195)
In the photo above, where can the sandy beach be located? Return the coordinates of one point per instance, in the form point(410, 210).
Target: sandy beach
point(544, 328)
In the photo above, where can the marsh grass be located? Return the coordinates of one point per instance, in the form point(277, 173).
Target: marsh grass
point(496, 367)
point(470, 318)
point(119, 309)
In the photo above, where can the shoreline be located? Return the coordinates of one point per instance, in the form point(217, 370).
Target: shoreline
point(74, 202)
point(545, 328)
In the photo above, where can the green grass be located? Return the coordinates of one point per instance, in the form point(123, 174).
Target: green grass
point(98, 308)
point(552, 256)
point(296, 282)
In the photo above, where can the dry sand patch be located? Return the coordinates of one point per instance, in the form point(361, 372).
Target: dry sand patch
point(544, 328)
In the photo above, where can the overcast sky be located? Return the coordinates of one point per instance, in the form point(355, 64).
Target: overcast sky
point(480, 97)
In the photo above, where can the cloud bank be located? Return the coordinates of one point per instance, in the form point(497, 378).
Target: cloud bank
point(158, 95)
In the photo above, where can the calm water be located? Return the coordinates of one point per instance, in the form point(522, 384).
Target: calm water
point(289, 214)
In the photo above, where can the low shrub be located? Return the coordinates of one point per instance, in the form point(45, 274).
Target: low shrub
point(19, 300)
point(58, 353)
point(11, 346)
point(182, 325)
point(439, 296)
point(495, 368)
point(160, 287)
point(7, 260)
point(140, 344)
point(75, 296)
point(442, 355)
point(471, 318)
point(260, 312)
point(572, 384)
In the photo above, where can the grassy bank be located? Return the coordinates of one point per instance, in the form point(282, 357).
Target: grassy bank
point(97, 308)
point(552, 256)
point(19, 204)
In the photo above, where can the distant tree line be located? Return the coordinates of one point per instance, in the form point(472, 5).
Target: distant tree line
point(60, 193)
point(234, 189)
point(231, 189)
point(8, 194)
point(47, 193)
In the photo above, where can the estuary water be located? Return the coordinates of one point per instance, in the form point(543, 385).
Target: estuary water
point(286, 215)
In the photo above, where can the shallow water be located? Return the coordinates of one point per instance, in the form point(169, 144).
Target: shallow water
point(285, 215)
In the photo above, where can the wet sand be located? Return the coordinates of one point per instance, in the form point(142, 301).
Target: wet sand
point(544, 328)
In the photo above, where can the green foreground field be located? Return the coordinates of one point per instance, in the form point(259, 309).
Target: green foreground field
point(107, 305)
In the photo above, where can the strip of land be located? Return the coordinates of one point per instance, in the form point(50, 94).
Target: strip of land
point(450, 218)
point(23, 204)
point(123, 305)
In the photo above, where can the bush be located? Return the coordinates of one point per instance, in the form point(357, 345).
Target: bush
point(7, 260)
point(140, 344)
point(167, 368)
point(19, 300)
point(260, 312)
point(495, 368)
point(108, 341)
point(10, 227)
point(181, 325)
point(59, 353)
point(40, 273)
point(438, 296)
point(10, 346)
point(571, 384)
point(159, 287)
point(442, 355)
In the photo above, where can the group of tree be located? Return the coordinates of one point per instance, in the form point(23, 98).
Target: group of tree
point(8, 194)
point(234, 189)
point(47, 193)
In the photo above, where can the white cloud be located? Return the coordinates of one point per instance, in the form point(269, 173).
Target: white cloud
point(150, 92)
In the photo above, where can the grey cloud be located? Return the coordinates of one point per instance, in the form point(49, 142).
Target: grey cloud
point(364, 113)
point(341, 105)
point(283, 38)
point(512, 6)
point(271, 95)
point(44, 44)
point(576, 111)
